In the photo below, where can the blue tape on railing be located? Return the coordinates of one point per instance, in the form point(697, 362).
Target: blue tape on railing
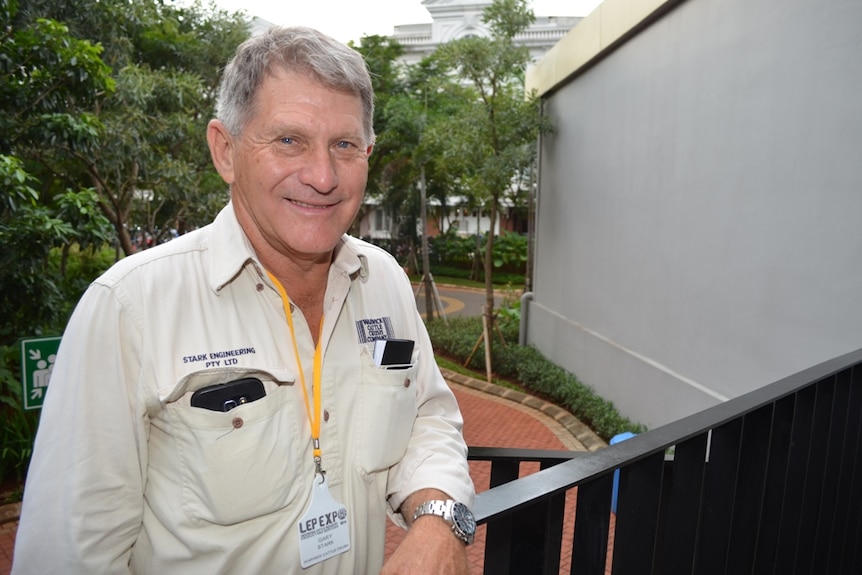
point(614, 440)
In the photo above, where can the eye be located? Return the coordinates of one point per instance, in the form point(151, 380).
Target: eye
point(344, 145)
point(287, 140)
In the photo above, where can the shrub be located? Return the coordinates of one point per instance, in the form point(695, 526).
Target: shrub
point(449, 250)
point(19, 427)
point(531, 370)
point(510, 250)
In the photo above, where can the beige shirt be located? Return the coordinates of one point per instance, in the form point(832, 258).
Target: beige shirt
point(128, 477)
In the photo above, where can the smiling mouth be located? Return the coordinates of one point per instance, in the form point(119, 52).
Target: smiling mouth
point(309, 206)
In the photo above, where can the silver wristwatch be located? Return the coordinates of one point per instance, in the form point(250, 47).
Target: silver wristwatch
point(456, 514)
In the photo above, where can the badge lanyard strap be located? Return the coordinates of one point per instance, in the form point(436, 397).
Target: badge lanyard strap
point(313, 418)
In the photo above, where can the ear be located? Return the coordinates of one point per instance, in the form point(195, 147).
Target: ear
point(368, 151)
point(221, 149)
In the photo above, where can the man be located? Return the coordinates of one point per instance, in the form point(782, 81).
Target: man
point(295, 465)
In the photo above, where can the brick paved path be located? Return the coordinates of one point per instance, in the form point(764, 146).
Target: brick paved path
point(7, 542)
point(489, 421)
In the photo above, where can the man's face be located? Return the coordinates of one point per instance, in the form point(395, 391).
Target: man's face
point(298, 169)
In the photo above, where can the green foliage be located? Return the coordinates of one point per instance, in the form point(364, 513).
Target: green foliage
point(489, 140)
point(381, 56)
point(130, 127)
point(34, 297)
point(508, 17)
point(18, 428)
point(510, 250)
point(46, 75)
point(493, 131)
point(83, 142)
point(463, 276)
point(458, 121)
point(80, 209)
point(527, 366)
point(509, 314)
point(28, 296)
point(454, 250)
point(15, 185)
point(77, 267)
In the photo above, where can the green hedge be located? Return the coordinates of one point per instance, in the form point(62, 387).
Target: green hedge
point(531, 370)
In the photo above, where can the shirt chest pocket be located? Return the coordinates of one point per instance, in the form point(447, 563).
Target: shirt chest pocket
point(236, 465)
point(386, 410)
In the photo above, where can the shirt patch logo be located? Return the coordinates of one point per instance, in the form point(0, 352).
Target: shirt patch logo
point(373, 329)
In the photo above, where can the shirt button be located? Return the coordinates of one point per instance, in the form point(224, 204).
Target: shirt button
point(237, 422)
point(325, 415)
point(259, 287)
point(407, 382)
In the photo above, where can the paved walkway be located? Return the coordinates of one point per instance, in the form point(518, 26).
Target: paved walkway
point(493, 417)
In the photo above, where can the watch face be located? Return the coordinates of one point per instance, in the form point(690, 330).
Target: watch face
point(463, 518)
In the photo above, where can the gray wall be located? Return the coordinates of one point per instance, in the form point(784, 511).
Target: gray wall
point(700, 207)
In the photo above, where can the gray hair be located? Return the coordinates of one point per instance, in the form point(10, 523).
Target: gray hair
point(295, 49)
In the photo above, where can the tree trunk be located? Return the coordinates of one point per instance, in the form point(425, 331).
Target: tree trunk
point(124, 238)
point(426, 262)
point(117, 220)
point(489, 266)
point(489, 286)
point(477, 259)
point(113, 208)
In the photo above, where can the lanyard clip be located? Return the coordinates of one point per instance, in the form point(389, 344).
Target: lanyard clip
point(317, 459)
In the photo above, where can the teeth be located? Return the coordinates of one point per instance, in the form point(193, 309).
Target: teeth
point(304, 205)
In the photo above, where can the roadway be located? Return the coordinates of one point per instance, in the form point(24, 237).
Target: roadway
point(457, 301)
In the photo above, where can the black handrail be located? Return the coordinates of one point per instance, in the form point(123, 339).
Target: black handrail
point(767, 482)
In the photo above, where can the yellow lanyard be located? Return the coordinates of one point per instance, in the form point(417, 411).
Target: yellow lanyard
point(313, 418)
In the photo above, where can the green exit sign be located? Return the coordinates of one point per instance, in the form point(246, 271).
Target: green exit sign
point(37, 362)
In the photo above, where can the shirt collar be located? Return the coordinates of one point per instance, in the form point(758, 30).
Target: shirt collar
point(232, 251)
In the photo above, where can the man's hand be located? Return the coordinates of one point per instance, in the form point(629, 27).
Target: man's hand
point(429, 547)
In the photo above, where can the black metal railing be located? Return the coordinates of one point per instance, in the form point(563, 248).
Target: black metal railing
point(766, 483)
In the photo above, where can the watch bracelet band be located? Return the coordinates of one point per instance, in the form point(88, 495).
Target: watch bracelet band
point(444, 509)
point(437, 507)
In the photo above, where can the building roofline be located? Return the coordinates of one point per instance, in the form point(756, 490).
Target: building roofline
point(601, 32)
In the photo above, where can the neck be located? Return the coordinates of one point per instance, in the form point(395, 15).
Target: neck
point(306, 289)
point(303, 276)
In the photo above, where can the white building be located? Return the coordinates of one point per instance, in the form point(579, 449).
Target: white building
point(456, 19)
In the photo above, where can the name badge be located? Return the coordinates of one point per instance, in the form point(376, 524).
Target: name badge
point(323, 530)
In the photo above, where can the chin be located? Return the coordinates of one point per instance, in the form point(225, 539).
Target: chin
point(320, 247)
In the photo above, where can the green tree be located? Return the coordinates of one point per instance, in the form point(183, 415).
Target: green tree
point(82, 84)
point(49, 82)
point(83, 142)
point(416, 168)
point(490, 142)
point(147, 157)
point(406, 97)
point(381, 56)
point(387, 76)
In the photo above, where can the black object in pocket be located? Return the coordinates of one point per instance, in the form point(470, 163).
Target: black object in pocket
point(226, 396)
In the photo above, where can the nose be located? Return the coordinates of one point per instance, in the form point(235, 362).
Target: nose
point(318, 170)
